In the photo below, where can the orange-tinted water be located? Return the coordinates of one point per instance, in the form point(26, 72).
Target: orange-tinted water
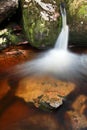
point(16, 114)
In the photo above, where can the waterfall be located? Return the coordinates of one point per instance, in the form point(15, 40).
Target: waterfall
point(58, 62)
point(62, 40)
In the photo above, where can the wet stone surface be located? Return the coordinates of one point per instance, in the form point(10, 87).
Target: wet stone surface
point(44, 91)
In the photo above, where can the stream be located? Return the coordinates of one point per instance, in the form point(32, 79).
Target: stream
point(16, 114)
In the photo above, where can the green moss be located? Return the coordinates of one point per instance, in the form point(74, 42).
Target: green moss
point(82, 13)
point(9, 37)
point(40, 33)
point(13, 39)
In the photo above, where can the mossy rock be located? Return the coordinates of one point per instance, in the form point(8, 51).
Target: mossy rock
point(42, 21)
point(77, 20)
point(11, 36)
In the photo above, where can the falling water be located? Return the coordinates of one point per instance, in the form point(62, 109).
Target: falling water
point(62, 40)
point(58, 62)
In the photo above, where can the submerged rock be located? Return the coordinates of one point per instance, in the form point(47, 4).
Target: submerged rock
point(42, 21)
point(44, 92)
point(78, 121)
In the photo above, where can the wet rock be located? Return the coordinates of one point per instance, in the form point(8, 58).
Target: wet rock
point(44, 92)
point(77, 120)
point(77, 117)
point(48, 100)
point(80, 104)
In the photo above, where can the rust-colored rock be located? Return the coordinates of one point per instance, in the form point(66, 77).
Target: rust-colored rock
point(44, 91)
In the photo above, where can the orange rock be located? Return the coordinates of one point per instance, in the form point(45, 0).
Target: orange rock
point(44, 90)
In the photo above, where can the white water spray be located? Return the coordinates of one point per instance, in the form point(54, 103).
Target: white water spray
point(57, 62)
point(62, 40)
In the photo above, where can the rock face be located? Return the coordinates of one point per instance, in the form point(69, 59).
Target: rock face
point(42, 21)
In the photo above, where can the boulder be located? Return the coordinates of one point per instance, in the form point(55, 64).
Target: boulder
point(42, 21)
